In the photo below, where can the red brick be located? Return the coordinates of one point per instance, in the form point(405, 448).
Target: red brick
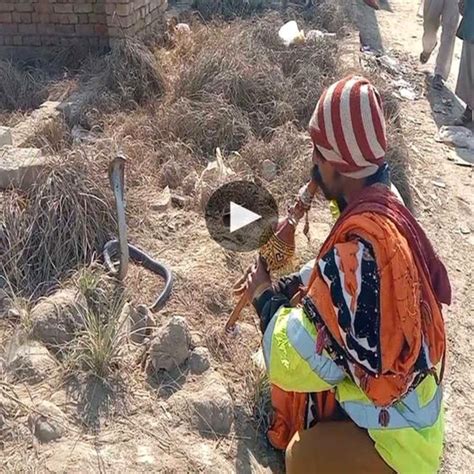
point(101, 30)
point(32, 40)
point(6, 6)
point(85, 30)
point(5, 18)
point(83, 8)
point(21, 17)
point(24, 7)
point(68, 30)
point(27, 29)
point(8, 28)
point(63, 8)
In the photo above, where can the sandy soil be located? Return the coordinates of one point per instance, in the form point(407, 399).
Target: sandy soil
point(445, 212)
point(126, 425)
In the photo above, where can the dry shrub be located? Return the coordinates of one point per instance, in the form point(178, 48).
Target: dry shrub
point(330, 15)
point(250, 68)
point(290, 150)
point(228, 9)
point(310, 69)
point(243, 76)
point(398, 159)
point(126, 77)
point(205, 125)
point(20, 89)
point(52, 135)
point(61, 223)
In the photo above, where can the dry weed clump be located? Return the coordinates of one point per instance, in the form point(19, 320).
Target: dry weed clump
point(99, 345)
point(228, 9)
point(290, 149)
point(126, 77)
point(20, 89)
point(61, 223)
point(205, 125)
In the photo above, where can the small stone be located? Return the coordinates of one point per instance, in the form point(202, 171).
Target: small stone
point(163, 203)
point(208, 406)
point(200, 360)
point(269, 170)
point(47, 422)
point(57, 318)
point(170, 348)
point(140, 323)
point(31, 363)
point(170, 175)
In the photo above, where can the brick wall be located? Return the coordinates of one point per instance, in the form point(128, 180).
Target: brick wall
point(27, 24)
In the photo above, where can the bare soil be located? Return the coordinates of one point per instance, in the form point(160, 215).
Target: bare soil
point(125, 424)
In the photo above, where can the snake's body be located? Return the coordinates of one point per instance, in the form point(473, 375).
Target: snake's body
point(126, 251)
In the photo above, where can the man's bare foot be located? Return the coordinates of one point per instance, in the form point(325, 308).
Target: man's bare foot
point(465, 119)
point(438, 82)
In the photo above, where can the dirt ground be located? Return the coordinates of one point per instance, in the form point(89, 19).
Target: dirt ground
point(128, 424)
point(445, 212)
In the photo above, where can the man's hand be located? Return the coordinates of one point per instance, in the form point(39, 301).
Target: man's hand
point(254, 282)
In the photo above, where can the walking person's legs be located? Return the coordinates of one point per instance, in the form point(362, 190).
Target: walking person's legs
point(465, 85)
point(449, 25)
point(431, 22)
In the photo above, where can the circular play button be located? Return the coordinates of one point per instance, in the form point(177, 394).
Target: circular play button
point(240, 214)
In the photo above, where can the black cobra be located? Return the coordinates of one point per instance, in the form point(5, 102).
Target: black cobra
point(121, 247)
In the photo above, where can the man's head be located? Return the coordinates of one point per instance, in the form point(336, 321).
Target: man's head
point(348, 133)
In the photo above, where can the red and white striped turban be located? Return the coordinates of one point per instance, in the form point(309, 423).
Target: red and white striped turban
point(348, 127)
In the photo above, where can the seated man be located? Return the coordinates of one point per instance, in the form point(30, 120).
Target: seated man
point(356, 367)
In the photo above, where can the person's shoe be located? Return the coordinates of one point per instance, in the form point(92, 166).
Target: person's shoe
point(424, 57)
point(465, 119)
point(438, 82)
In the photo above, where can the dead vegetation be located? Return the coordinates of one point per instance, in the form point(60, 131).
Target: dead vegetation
point(236, 87)
point(20, 88)
point(63, 222)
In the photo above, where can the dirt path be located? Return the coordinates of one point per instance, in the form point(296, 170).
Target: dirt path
point(445, 209)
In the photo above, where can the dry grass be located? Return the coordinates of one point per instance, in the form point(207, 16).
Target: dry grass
point(126, 77)
point(205, 125)
point(99, 345)
point(61, 223)
point(20, 89)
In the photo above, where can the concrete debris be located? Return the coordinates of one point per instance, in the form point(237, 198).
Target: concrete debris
point(5, 136)
point(47, 422)
point(57, 318)
point(31, 363)
point(163, 202)
point(170, 348)
point(200, 360)
point(26, 130)
point(20, 167)
point(208, 407)
point(314, 35)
